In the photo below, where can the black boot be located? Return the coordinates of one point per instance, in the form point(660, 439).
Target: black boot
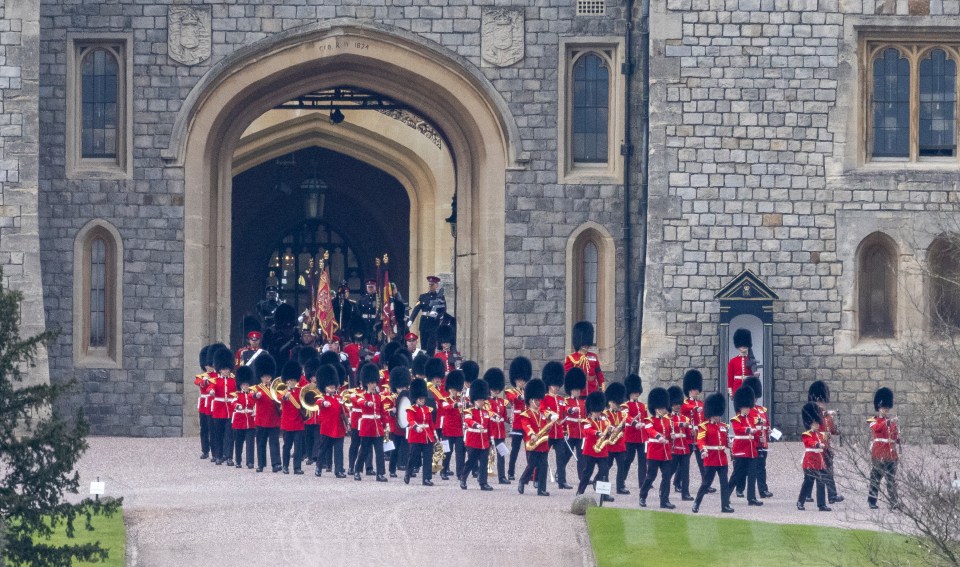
point(486, 487)
point(381, 478)
point(696, 507)
point(503, 480)
point(727, 509)
point(520, 486)
point(542, 492)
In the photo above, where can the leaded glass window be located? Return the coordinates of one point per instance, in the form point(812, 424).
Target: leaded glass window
point(891, 105)
point(591, 108)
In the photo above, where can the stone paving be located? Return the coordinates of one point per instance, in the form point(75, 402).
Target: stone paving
point(183, 511)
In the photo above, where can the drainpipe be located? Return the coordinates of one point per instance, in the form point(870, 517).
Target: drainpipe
point(626, 150)
point(642, 213)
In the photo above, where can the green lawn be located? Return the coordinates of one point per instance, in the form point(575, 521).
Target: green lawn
point(110, 532)
point(623, 537)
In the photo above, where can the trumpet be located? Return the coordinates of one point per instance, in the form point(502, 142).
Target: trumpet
point(310, 395)
point(541, 435)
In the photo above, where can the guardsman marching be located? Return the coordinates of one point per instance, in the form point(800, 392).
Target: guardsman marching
point(712, 446)
point(520, 372)
point(476, 435)
point(759, 416)
point(633, 431)
point(292, 418)
point(266, 415)
point(432, 306)
point(223, 387)
point(203, 382)
point(616, 414)
point(819, 393)
point(372, 422)
point(658, 432)
point(242, 423)
point(583, 358)
point(813, 461)
point(883, 448)
point(574, 382)
point(692, 409)
point(680, 447)
point(535, 423)
point(552, 376)
point(451, 422)
point(596, 430)
point(742, 366)
point(421, 437)
point(498, 418)
point(745, 445)
point(367, 309)
point(333, 421)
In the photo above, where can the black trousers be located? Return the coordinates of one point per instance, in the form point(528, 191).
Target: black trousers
point(707, 482)
point(271, 434)
point(577, 445)
point(620, 459)
point(828, 479)
point(398, 457)
point(421, 455)
point(368, 444)
point(501, 460)
point(696, 452)
point(883, 470)
point(636, 451)
point(293, 442)
point(205, 434)
point(516, 443)
point(218, 438)
point(745, 473)
point(354, 451)
point(590, 463)
point(653, 467)
point(311, 436)
point(330, 448)
point(243, 437)
point(681, 473)
point(476, 461)
point(562, 453)
point(456, 446)
point(762, 472)
point(536, 461)
point(809, 477)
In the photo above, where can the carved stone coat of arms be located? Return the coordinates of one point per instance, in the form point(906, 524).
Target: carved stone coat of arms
point(501, 36)
point(188, 34)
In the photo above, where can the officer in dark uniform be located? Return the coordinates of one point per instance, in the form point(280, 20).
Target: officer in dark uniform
point(433, 306)
point(344, 308)
point(268, 306)
point(368, 311)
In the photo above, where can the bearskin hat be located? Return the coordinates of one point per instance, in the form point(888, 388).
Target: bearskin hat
point(265, 365)
point(387, 352)
point(535, 389)
point(742, 338)
point(471, 371)
point(574, 380)
point(418, 389)
point(754, 384)
point(495, 379)
point(883, 398)
point(305, 354)
point(399, 378)
point(212, 350)
point(341, 373)
point(310, 367)
point(435, 369)
point(552, 374)
point(329, 357)
point(633, 384)
point(420, 364)
point(327, 376)
point(250, 323)
point(284, 315)
point(810, 413)
point(479, 390)
point(291, 371)
point(445, 334)
point(658, 398)
point(400, 359)
point(596, 402)
point(455, 380)
point(369, 374)
point(245, 376)
point(222, 360)
point(692, 380)
point(203, 357)
point(582, 334)
point(714, 406)
point(676, 395)
point(520, 369)
point(743, 398)
point(615, 393)
point(819, 392)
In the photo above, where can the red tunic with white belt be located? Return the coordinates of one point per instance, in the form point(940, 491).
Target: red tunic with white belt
point(883, 447)
point(206, 392)
point(615, 418)
point(693, 411)
point(498, 419)
point(532, 421)
point(266, 414)
point(592, 430)
point(451, 420)
point(637, 417)
point(243, 408)
point(737, 372)
point(813, 450)
point(576, 412)
point(744, 443)
point(420, 415)
point(331, 422)
point(658, 433)
point(476, 428)
point(761, 424)
point(355, 411)
point(222, 389)
point(558, 405)
point(372, 419)
point(290, 417)
point(590, 364)
point(515, 397)
point(712, 439)
point(681, 430)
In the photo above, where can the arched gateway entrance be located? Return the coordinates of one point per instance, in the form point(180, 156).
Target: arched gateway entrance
point(444, 88)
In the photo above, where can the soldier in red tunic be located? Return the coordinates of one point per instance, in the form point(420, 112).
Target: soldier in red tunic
point(311, 427)
point(712, 445)
point(555, 402)
point(451, 423)
point(692, 409)
point(520, 372)
point(616, 415)
point(372, 422)
point(333, 422)
point(743, 365)
point(680, 445)
point(223, 386)
point(813, 462)
point(421, 437)
point(819, 393)
point(202, 381)
point(745, 445)
point(533, 421)
point(448, 353)
point(596, 431)
point(292, 418)
point(883, 448)
point(266, 415)
point(476, 435)
point(659, 431)
point(758, 416)
point(583, 358)
point(498, 418)
point(242, 420)
point(633, 435)
point(399, 385)
point(573, 384)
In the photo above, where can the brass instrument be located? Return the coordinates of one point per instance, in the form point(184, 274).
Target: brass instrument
point(389, 403)
point(603, 439)
point(437, 456)
point(541, 435)
point(278, 389)
point(310, 396)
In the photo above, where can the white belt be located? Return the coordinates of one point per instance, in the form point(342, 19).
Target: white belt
point(356, 410)
point(743, 437)
point(476, 430)
point(814, 450)
point(664, 441)
point(714, 448)
point(374, 416)
point(219, 399)
point(243, 411)
point(207, 395)
point(679, 436)
point(881, 440)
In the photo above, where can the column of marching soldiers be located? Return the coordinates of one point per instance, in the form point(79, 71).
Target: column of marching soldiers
point(427, 409)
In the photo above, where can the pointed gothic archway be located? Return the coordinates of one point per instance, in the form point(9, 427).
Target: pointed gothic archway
point(445, 88)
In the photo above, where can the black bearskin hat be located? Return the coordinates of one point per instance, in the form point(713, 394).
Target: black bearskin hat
point(310, 367)
point(399, 378)
point(418, 389)
point(250, 323)
point(596, 402)
point(387, 352)
point(582, 334)
point(811, 413)
point(265, 365)
point(291, 371)
point(520, 369)
point(471, 371)
point(305, 354)
point(479, 390)
point(714, 406)
point(676, 395)
point(574, 380)
point(455, 380)
point(692, 380)
point(341, 373)
point(445, 334)
point(330, 357)
point(327, 375)
point(245, 376)
point(495, 379)
point(203, 357)
point(534, 390)
point(434, 369)
point(633, 384)
point(819, 392)
point(658, 398)
point(420, 364)
point(552, 374)
point(754, 384)
point(615, 393)
point(285, 315)
point(213, 349)
point(401, 358)
point(883, 398)
point(742, 338)
point(743, 398)
point(369, 374)
point(222, 360)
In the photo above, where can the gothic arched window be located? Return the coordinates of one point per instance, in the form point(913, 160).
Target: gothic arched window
point(943, 258)
point(591, 109)
point(97, 296)
point(877, 286)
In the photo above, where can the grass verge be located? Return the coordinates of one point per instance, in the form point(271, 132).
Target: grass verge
point(109, 531)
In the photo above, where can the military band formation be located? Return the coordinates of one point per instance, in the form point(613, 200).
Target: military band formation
point(411, 405)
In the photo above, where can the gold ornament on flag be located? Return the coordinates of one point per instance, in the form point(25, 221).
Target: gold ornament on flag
point(323, 306)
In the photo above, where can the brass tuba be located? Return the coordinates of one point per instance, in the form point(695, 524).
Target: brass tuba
point(276, 390)
point(310, 395)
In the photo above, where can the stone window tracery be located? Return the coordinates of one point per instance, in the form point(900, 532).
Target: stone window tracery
point(877, 286)
point(97, 296)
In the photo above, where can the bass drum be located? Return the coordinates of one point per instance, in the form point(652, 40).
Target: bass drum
point(403, 402)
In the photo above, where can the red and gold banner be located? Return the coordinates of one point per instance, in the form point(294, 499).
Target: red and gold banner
point(326, 320)
point(387, 316)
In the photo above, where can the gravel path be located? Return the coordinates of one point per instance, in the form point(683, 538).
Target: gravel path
point(183, 511)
